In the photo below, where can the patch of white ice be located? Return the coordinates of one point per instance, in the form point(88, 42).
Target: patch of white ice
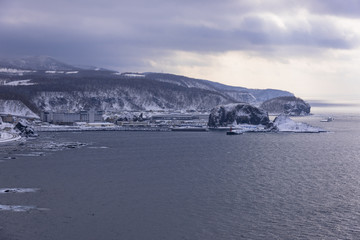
point(19, 83)
point(18, 190)
point(18, 208)
point(133, 75)
point(53, 72)
point(72, 72)
point(15, 71)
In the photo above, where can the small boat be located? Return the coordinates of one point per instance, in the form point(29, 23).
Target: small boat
point(329, 119)
point(234, 132)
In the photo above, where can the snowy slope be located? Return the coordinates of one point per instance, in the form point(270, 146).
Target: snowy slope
point(35, 63)
point(16, 108)
point(56, 86)
point(119, 99)
point(283, 123)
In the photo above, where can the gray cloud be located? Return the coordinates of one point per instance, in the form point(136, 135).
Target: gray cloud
point(124, 33)
point(348, 8)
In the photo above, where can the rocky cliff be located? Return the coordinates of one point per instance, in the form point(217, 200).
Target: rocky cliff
point(291, 106)
point(238, 113)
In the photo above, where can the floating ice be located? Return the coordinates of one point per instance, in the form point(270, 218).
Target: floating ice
point(18, 208)
point(72, 72)
point(18, 190)
point(19, 83)
point(102, 147)
point(32, 154)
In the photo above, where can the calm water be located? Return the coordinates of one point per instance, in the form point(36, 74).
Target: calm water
point(144, 185)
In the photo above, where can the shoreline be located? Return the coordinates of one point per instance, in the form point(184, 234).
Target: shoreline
point(6, 137)
point(93, 129)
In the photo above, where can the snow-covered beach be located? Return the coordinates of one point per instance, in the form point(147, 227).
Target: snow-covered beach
point(6, 137)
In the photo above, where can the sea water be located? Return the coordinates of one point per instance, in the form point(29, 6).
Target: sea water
point(186, 185)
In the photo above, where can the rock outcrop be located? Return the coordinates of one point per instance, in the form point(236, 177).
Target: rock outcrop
point(25, 129)
point(237, 113)
point(291, 106)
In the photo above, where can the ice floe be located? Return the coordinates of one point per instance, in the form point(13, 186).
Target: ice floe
point(19, 208)
point(31, 154)
point(102, 147)
point(18, 190)
point(72, 72)
point(19, 83)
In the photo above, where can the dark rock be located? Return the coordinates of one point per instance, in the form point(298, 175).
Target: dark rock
point(291, 106)
point(25, 129)
point(239, 113)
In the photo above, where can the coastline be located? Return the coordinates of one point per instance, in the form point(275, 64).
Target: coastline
point(6, 137)
point(82, 129)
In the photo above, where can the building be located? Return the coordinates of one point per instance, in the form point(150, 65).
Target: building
point(7, 118)
point(90, 116)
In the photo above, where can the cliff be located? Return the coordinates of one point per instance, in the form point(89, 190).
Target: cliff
point(291, 106)
point(238, 113)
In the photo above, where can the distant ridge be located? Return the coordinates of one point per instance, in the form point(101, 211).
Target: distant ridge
point(36, 63)
point(51, 85)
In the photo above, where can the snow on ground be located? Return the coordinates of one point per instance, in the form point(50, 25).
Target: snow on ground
point(285, 124)
point(16, 108)
point(8, 137)
point(7, 133)
point(19, 83)
point(53, 72)
point(72, 72)
point(133, 75)
point(15, 71)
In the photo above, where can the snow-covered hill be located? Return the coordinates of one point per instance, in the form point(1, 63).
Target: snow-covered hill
point(125, 98)
point(16, 108)
point(54, 86)
point(35, 63)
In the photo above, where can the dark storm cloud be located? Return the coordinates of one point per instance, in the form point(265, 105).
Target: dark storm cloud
point(125, 33)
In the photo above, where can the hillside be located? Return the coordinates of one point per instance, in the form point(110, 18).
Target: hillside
point(288, 105)
point(51, 85)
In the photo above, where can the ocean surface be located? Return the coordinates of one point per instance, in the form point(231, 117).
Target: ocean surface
point(185, 185)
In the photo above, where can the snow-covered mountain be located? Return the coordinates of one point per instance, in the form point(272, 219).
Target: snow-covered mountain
point(35, 63)
point(54, 86)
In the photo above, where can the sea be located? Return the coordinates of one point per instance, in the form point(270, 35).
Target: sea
point(186, 185)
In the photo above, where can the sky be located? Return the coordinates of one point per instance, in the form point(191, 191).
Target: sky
point(309, 47)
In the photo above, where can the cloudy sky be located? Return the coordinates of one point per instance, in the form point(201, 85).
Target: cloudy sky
point(308, 47)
